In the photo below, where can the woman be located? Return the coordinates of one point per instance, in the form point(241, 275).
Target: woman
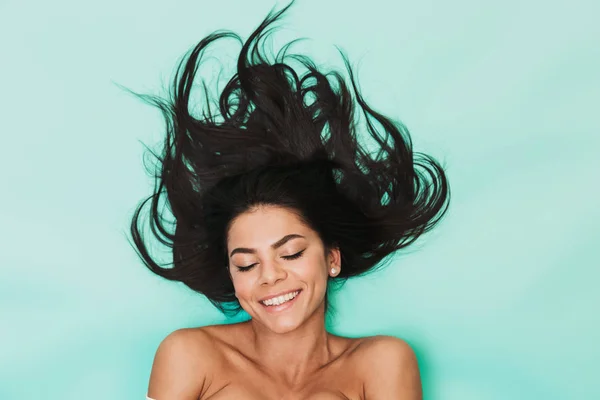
point(274, 201)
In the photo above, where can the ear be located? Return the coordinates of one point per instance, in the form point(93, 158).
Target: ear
point(334, 258)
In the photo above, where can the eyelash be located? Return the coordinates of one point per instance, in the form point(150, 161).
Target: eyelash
point(292, 257)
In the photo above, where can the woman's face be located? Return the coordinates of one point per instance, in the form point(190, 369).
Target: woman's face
point(282, 255)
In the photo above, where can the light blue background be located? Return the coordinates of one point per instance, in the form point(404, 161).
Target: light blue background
point(500, 302)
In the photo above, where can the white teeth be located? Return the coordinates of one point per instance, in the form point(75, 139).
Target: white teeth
point(281, 299)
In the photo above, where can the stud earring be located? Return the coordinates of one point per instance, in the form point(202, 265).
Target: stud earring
point(333, 270)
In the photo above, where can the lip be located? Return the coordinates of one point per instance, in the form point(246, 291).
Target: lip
point(282, 307)
point(278, 294)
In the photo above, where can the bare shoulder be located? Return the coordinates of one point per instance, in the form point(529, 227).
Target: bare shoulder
point(182, 365)
point(380, 345)
point(390, 369)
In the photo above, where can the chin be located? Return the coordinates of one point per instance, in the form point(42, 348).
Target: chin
point(283, 326)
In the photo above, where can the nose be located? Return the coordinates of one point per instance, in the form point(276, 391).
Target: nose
point(271, 272)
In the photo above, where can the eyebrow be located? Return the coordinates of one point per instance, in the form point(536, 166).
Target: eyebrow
point(276, 245)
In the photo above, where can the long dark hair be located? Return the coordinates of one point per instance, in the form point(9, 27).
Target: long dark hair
point(286, 140)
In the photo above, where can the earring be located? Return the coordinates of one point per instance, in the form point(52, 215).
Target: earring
point(333, 270)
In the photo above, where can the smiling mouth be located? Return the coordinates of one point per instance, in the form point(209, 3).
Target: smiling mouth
point(282, 302)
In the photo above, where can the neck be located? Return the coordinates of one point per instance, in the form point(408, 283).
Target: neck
point(293, 357)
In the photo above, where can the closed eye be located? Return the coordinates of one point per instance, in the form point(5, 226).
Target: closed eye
point(292, 257)
point(244, 269)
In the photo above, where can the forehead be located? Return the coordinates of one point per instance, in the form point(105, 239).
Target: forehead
point(265, 224)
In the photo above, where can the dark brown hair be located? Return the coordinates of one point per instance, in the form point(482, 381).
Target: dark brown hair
point(282, 139)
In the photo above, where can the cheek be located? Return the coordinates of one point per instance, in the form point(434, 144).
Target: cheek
point(315, 271)
point(242, 288)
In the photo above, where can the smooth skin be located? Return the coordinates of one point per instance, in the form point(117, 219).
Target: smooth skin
point(285, 355)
